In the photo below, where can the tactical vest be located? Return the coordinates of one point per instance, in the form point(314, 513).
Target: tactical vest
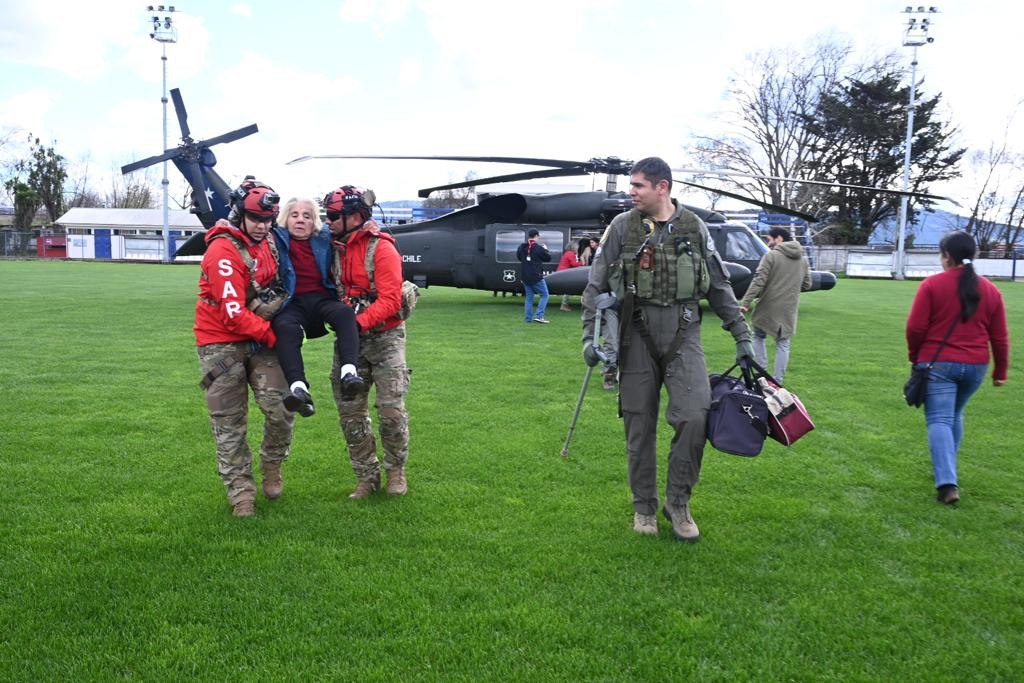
point(675, 271)
point(410, 292)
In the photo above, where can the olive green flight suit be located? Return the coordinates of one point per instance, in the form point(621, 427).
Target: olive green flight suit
point(684, 375)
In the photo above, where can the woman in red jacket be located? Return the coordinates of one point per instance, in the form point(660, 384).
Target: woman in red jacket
point(376, 300)
point(235, 346)
point(568, 260)
point(968, 312)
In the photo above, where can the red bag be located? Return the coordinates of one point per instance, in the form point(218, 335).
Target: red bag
point(787, 418)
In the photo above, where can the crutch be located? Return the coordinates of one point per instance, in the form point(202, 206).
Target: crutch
point(603, 301)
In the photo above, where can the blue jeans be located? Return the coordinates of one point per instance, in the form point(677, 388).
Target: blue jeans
point(950, 386)
point(537, 288)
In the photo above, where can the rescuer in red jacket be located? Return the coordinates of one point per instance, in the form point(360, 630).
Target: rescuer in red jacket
point(381, 342)
point(237, 293)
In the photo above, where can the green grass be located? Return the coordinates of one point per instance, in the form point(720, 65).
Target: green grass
point(828, 560)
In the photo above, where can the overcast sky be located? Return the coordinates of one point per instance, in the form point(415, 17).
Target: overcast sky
point(569, 79)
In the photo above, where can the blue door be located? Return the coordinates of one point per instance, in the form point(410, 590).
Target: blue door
point(102, 243)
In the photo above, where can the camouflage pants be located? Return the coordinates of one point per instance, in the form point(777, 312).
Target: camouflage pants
point(227, 400)
point(382, 363)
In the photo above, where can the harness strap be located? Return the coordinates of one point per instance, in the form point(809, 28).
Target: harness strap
point(368, 264)
point(661, 359)
point(219, 368)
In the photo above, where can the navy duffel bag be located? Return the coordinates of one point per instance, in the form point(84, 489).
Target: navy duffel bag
point(738, 418)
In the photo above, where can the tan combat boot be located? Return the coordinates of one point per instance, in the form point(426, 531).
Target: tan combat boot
point(272, 484)
point(396, 482)
point(683, 526)
point(365, 488)
point(244, 508)
point(645, 524)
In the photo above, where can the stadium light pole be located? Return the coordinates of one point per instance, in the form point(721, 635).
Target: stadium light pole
point(915, 36)
point(164, 32)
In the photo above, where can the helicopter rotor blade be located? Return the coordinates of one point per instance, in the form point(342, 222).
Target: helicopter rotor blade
point(557, 163)
point(179, 109)
point(552, 173)
point(230, 137)
point(136, 165)
point(826, 183)
point(750, 200)
point(193, 173)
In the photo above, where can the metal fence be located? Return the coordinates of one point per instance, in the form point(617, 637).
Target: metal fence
point(18, 244)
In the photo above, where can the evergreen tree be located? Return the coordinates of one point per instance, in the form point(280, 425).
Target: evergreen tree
point(859, 130)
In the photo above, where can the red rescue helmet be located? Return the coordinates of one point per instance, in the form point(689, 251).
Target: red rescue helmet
point(347, 200)
point(254, 198)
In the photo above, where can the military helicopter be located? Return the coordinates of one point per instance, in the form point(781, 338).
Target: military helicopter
point(476, 247)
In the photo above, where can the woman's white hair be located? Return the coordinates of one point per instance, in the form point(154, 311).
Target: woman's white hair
point(290, 204)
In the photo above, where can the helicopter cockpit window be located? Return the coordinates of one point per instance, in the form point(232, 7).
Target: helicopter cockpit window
point(507, 242)
point(739, 247)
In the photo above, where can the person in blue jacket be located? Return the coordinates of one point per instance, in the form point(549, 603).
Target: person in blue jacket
point(305, 256)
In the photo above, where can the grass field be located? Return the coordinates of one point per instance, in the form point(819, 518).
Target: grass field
point(828, 560)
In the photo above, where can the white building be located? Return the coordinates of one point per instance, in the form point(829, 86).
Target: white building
point(133, 234)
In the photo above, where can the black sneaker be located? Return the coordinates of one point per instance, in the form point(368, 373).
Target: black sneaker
point(299, 401)
point(948, 494)
point(351, 385)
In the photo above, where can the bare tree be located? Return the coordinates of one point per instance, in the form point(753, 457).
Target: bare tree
point(77, 188)
point(134, 191)
point(997, 212)
point(769, 106)
point(453, 199)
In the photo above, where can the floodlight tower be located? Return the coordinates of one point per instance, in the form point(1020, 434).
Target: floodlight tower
point(164, 32)
point(915, 36)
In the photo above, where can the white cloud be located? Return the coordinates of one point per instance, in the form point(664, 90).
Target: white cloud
point(67, 36)
point(373, 11)
point(242, 9)
point(28, 111)
point(409, 73)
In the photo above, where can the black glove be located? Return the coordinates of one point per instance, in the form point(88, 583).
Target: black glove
point(590, 356)
point(744, 349)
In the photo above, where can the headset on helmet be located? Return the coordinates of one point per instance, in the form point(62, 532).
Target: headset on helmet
point(255, 198)
point(347, 200)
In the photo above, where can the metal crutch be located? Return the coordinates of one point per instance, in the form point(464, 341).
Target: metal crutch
point(603, 301)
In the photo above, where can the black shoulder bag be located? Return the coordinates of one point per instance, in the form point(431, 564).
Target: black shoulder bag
point(916, 387)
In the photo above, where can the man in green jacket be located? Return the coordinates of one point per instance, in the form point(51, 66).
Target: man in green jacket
point(782, 274)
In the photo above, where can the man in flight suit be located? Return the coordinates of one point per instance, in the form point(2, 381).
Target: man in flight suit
point(659, 260)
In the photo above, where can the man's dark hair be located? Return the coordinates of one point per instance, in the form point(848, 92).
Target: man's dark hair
point(780, 232)
point(654, 169)
point(532, 232)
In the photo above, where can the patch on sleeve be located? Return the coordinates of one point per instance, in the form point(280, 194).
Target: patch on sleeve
point(710, 243)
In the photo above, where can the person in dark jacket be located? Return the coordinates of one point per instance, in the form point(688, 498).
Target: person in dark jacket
point(533, 255)
point(969, 309)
